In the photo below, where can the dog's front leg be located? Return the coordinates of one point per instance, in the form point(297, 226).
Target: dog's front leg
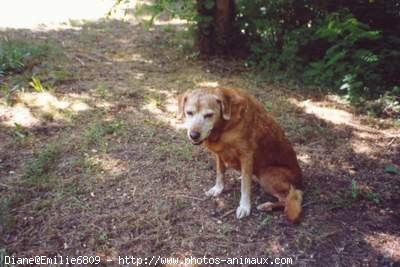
point(244, 208)
point(219, 183)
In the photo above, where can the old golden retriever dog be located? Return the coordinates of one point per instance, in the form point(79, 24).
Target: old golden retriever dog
point(237, 129)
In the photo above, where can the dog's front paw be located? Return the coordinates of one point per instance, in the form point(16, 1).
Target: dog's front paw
point(215, 191)
point(243, 211)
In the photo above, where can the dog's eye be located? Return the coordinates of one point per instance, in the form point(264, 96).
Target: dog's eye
point(209, 115)
point(189, 113)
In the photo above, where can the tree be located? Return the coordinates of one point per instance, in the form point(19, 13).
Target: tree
point(216, 32)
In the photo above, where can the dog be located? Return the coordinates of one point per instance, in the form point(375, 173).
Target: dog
point(241, 134)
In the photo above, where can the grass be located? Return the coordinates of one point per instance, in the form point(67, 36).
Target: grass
point(37, 85)
point(266, 219)
point(37, 173)
point(103, 90)
point(95, 133)
point(3, 253)
point(353, 195)
point(16, 55)
point(7, 221)
point(20, 131)
point(31, 64)
point(90, 166)
point(155, 100)
point(357, 192)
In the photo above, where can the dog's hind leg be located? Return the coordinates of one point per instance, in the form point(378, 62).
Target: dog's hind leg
point(269, 206)
point(281, 183)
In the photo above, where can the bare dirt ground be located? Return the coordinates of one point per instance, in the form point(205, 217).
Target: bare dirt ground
point(100, 166)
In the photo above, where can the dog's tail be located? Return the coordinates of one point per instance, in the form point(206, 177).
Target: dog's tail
point(293, 204)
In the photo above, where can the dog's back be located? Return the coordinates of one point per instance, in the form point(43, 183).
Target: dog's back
point(256, 132)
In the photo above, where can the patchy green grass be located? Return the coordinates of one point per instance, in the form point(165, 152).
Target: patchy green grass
point(7, 221)
point(103, 90)
point(359, 193)
point(32, 65)
point(266, 219)
point(3, 253)
point(38, 171)
point(96, 131)
point(354, 195)
point(17, 55)
point(89, 165)
point(175, 152)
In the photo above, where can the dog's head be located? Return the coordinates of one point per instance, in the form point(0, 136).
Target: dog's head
point(203, 109)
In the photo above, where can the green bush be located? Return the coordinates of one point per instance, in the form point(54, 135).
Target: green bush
point(266, 25)
point(300, 40)
point(348, 63)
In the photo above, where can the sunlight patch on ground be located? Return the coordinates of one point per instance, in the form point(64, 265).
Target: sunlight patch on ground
point(362, 147)
point(275, 246)
point(24, 113)
point(51, 14)
point(303, 157)
point(171, 22)
point(386, 244)
point(103, 104)
point(49, 103)
point(45, 101)
point(18, 114)
point(167, 113)
point(123, 57)
point(108, 164)
point(212, 84)
point(332, 115)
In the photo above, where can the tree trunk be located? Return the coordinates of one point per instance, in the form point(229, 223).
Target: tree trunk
point(215, 33)
point(205, 29)
point(224, 17)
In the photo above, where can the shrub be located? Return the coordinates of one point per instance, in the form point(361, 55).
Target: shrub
point(334, 50)
point(348, 63)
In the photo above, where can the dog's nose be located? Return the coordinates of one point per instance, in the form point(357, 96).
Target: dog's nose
point(194, 135)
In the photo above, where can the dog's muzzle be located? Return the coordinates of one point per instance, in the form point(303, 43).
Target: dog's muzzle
point(195, 137)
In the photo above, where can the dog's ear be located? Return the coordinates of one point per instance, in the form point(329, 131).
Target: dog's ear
point(181, 104)
point(232, 105)
point(226, 106)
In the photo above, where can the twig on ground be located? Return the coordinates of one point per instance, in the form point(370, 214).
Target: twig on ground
point(392, 141)
point(6, 186)
point(309, 203)
point(226, 214)
point(190, 197)
point(80, 60)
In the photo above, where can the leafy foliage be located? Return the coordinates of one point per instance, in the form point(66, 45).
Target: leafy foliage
point(346, 64)
point(184, 9)
point(302, 41)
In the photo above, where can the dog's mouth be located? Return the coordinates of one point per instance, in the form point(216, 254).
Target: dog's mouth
point(199, 142)
point(196, 143)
